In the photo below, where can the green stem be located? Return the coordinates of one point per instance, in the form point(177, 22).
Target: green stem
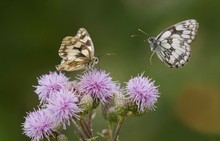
point(110, 127)
point(118, 128)
point(90, 123)
point(85, 128)
point(78, 131)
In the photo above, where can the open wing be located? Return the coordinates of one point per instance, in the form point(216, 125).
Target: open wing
point(174, 43)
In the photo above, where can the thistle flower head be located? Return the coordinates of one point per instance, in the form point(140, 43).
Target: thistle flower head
point(62, 107)
point(37, 125)
point(98, 84)
point(143, 92)
point(49, 84)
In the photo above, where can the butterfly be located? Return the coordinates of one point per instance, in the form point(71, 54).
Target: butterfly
point(77, 52)
point(172, 45)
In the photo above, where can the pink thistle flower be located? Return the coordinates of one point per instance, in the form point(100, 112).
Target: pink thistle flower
point(143, 92)
point(62, 107)
point(50, 84)
point(98, 84)
point(37, 125)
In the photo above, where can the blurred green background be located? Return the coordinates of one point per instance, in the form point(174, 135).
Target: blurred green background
point(189, 106)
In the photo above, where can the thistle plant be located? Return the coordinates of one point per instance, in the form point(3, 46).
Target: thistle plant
point(66, 102)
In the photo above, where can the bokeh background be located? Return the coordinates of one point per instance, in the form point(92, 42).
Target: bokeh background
point(189, 106)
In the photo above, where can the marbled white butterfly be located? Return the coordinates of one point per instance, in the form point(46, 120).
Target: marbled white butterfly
point(172, 46)
point(77, 52)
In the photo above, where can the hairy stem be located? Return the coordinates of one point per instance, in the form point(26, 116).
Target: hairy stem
point(85, 128)
point(110, 127)
point(78, 131)
point(90, 123)
point(117, 130)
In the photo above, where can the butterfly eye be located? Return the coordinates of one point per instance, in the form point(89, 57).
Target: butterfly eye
point(151, 39)
point(96, 60)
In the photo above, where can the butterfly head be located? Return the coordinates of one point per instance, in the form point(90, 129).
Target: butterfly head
point(93, 62)
point(151, 39)
point(153, 43)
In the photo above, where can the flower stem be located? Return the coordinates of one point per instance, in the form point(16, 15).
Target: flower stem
point(110, 126)
point(85, 128)
point(118, 128)
point(78, 131)
point(90, 123)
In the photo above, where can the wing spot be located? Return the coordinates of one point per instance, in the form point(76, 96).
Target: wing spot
point(77, 44)
point(85, 52)
point(88, 43)
point(185, 36)
point(176, 41)
point(166, 45)
point(166, 34)
point(178, 52)
point(182, 62)
point(186, 32)
point(185, 58)
point(189, 41)
point(175, 36)
point(175, 54)
point(180, 27)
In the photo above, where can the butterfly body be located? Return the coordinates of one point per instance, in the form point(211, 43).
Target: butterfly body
point(172, 46)
point(153, 43)
point(77, 52)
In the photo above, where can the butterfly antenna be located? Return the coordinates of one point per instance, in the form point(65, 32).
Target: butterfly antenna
point(143, 32)
point(107, 54)
point(151, 58)
point(136, 35)
point(110, 54)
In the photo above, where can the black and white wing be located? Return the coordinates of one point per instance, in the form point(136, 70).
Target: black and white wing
point(174, 43)
point(76, 52)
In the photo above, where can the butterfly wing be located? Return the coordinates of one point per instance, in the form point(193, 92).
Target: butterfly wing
point(174, 43)
point(76, 51)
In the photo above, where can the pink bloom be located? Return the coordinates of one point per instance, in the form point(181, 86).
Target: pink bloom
point(37, 125)
point(98, 84)
point(62, 107)
point(143, 92)
point(50, 84)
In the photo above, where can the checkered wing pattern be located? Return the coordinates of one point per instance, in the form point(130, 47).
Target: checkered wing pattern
point(173, 44)
point(76, 52)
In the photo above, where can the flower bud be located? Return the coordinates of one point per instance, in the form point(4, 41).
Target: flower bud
point(62, 137)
